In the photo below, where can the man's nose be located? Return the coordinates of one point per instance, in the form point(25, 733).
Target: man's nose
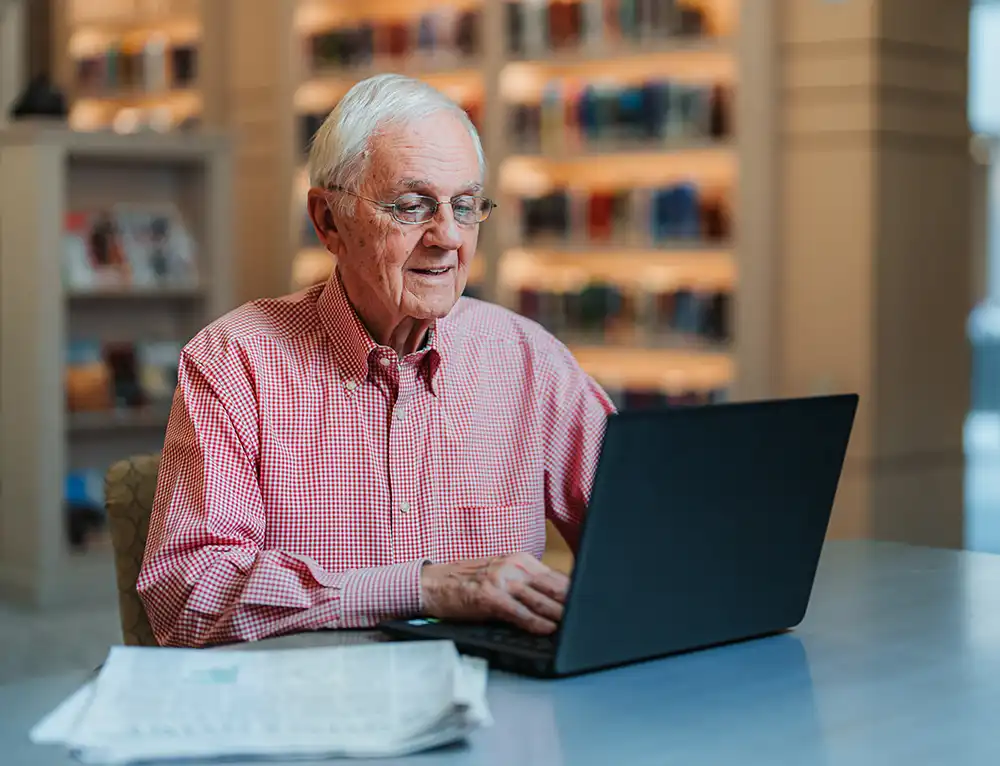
point(443, 231)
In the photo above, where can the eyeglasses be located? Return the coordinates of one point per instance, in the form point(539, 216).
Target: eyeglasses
point(469, 209)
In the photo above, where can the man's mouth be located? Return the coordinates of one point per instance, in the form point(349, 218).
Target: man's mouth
point(432, 272)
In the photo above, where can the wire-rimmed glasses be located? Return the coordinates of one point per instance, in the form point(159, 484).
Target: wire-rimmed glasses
point(469, 209)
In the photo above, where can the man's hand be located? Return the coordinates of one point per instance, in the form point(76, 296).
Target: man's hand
point(518, 589)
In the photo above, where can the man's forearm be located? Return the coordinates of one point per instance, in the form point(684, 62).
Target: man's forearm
point(280, 593)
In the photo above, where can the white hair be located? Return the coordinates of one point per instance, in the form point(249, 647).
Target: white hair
point(341, 147)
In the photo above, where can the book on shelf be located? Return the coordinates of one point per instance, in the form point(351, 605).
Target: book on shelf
point(681, 316)
point(158, 368)
point(150, 66)
point(83, 499)
point(87, 377)
point(128, 246)
point(657, 113)
point(84, 515)
point(120, 375)
point(442, 37)
point(535, 27)
point(677, 213)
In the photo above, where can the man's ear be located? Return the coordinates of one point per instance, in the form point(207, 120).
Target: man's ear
point(325, 226)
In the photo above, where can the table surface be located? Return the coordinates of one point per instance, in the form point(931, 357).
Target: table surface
point(897, 662)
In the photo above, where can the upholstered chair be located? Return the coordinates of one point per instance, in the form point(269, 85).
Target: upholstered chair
point(129, 488)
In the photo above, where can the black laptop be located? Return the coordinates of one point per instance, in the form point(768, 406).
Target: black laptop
point(705, 527)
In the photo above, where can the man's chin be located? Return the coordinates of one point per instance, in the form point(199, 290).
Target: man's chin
point(431, 307)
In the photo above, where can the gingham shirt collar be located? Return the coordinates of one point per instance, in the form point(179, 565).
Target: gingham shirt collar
point(354, 347)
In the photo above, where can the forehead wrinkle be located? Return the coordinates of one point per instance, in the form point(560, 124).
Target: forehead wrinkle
point(418, 184)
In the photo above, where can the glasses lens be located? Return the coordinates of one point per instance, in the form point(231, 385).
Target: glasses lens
point(470, 209)
point(413, 208)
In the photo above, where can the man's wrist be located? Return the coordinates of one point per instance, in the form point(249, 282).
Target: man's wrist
point(423, 578)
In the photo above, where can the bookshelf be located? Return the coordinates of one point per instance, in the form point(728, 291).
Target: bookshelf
point(71, 418)
point(620, 216)
point(131, 65)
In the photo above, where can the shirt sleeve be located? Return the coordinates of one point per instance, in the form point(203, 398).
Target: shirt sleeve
point(575, 413)
point(207, 576)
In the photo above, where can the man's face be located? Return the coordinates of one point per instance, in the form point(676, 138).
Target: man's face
point(410, 270)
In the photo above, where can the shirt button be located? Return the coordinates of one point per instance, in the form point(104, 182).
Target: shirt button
point(350, 385)
point(384, 361)
point(404, 507)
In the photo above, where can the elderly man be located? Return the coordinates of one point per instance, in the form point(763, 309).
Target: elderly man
point(376, 446)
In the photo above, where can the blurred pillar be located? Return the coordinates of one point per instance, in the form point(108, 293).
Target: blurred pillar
point(875, 233)
point(248, 88)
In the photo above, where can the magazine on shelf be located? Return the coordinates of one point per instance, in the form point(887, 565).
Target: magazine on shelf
point(128, 246)
point(160, 250)
point(93, 254)
point(158, 362)
point(120, 375)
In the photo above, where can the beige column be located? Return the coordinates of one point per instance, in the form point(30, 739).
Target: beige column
point(248, 80)
point(875, 248)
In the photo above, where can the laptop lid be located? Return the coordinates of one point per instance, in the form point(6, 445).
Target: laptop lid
point(705, 526)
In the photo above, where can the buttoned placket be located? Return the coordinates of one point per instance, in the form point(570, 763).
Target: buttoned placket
point(405, 511)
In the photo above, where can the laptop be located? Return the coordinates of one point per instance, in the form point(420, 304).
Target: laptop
point(705, 527)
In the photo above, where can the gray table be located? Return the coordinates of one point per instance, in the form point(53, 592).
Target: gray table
point(897, 662)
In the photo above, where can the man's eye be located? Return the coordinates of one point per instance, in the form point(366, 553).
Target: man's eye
point(413, 205)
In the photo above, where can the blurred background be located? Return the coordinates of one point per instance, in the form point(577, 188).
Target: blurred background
point(707, 200)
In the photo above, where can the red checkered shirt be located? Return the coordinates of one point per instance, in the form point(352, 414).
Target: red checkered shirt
point(308, 473)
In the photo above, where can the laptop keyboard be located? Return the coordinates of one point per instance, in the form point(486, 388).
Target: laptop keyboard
point(502, 635)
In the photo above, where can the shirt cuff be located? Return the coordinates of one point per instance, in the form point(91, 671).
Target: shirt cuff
point(369, 596)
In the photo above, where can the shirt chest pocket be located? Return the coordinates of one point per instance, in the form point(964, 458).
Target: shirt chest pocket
point(489, 530)
point(489, 461)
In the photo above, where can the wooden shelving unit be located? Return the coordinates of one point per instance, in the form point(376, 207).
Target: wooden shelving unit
point(48, 173)
point(673, 362)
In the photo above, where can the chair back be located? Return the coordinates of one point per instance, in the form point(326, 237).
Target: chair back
point(129, 489)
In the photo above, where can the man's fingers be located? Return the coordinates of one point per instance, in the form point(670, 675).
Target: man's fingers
point(511, 609)
point(553, 584)
point(538, 602)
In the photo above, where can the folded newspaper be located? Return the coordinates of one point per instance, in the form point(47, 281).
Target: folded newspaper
point(376, 700)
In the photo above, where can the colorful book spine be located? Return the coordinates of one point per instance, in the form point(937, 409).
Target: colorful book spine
point(674, 214)
point(601, 312)
point(537, 26)
point(444, 34)
point(571, 116)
